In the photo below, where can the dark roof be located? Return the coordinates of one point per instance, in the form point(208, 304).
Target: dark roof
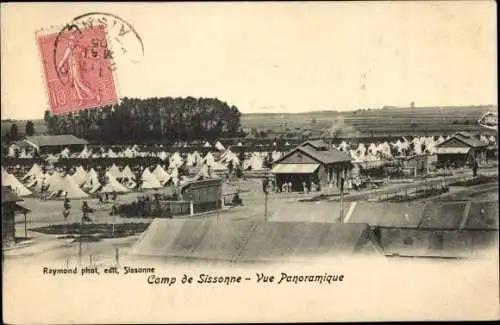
point(328, 156)
point(467, 139)
point(21, 209)
point(242, 241)
point(317, 144)
point(9, 196)
point(56, 140)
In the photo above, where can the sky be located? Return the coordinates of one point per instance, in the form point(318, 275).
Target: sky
point(275, 57)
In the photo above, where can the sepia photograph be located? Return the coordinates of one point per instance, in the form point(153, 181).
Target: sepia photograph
point(216, 162)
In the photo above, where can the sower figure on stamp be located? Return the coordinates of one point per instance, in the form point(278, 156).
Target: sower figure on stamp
point(73, 57)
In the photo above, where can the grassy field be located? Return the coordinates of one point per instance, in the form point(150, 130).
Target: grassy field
point(376, 122)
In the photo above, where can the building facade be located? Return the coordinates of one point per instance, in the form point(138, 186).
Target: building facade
point(312, 163)
point(205, 195)
point(460, 150)
point(55, 143)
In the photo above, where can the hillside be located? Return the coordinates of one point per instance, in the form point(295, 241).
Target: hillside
point(398, 121)
point(385, 122)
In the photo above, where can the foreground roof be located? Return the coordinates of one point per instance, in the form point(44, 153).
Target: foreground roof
point(9, 196)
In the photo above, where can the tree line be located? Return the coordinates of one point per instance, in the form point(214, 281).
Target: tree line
point(164, 119)
point(13, 134)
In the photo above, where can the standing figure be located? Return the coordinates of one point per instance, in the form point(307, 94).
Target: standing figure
point(85, 212)
point(66, 208)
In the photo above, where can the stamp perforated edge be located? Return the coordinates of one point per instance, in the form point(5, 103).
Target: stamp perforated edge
point(55, 29)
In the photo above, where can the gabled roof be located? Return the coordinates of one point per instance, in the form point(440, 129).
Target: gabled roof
point(56, 140)
point(465, 138)
point(317, 144)
point(329, 156)
point(9, 196)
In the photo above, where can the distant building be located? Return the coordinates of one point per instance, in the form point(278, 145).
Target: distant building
point(9, 210)
point(205, 195)
point(55, 143)
point(461, 149)
point(417, 165)
point(313, 161)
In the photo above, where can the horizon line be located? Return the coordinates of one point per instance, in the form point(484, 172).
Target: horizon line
point(330, 110)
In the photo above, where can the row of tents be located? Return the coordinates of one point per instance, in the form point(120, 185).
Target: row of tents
point(359, 152)
point(81, 182)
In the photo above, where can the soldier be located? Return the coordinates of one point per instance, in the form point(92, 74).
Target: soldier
point(85, 211)
point(66, 208)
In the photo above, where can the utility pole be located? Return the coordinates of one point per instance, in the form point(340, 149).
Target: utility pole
point(444, 175)
point(341, 200)
point(265, 188)
point(265, 208)
point(25, 226)
point(80, 245)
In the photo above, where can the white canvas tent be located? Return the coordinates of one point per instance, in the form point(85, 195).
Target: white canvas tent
point(254, 163)
point(149, 181)
point(163, 155)
point(65, 186)
point(79, 176)
point(115, 171)
point(209, 159)
point(112, 185)
point(193, 159)
point(34, 171)
point(127, 173)
point(219, 146)
point(190, 160)
point(92, 183)
point(161, 175)
point(111, 154)
point(39, 182)
point(65, 153)
point(12, 151)
point(51, 158)
point(128, 153)
point(207, 145)
point(176, 160)
point(85, 153)
point(205, 173)
point(12, 182)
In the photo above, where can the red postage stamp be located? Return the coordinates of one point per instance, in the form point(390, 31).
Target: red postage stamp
point(78, 69)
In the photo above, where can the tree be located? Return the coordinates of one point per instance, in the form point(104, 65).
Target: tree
point(13, 132)
point(313, 120)
point(29, 129)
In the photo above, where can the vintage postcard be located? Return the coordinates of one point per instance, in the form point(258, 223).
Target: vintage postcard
point(249, 162)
